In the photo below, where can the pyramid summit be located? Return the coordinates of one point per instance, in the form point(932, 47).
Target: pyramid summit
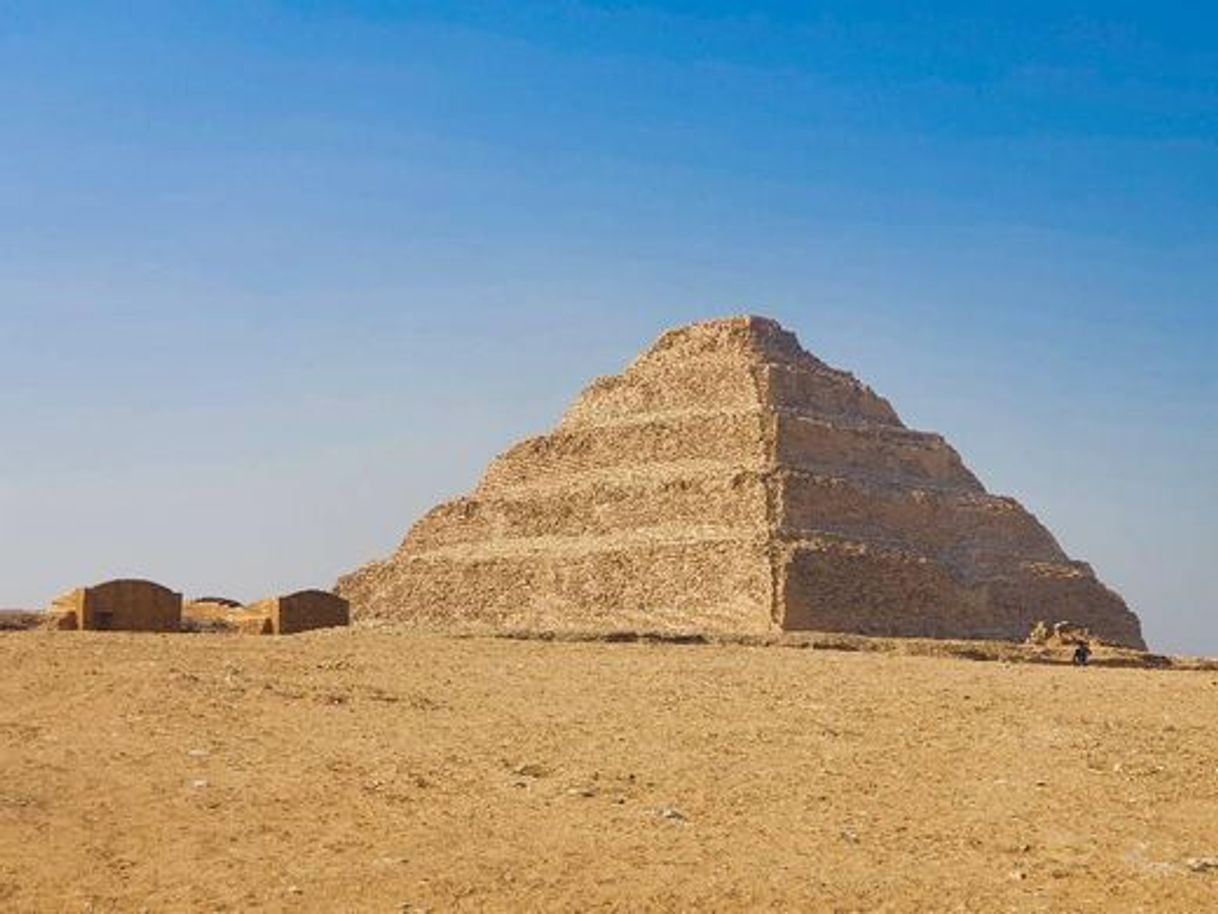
point(728, 480)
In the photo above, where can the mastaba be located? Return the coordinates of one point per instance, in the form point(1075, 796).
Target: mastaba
point(729, 481)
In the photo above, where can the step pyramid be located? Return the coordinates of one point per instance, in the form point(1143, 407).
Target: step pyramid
point(730, 481)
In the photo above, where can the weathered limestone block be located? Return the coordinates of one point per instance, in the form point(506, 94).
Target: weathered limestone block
point(729, 480)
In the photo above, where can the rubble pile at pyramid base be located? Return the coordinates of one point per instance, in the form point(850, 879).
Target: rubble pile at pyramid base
point(729, 481)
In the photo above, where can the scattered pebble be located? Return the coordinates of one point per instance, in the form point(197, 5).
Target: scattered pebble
point(531, 770)
point(198, 783)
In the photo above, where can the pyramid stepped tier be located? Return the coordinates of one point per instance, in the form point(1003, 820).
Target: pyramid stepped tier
point(730, 481)
point(834, 586)
point(678, 496)
point(753, 438)
point(726, 438)
point(966, 530)
point(974, 534)
point(880, 453)
point(642, 582)
point(719, 368)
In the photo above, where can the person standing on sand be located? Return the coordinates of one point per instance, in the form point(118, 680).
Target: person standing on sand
point(1082, 653)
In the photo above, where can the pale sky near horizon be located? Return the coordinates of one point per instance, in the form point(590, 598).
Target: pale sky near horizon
point(277, 277)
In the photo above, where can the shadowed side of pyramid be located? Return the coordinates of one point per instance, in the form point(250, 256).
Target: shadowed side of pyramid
point(728, 480)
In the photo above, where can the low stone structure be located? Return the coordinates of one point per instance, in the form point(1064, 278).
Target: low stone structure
point(730, 481)
point(131, 605)
point(296, 612)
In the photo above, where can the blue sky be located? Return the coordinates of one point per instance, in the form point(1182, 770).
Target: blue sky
point(277, 277)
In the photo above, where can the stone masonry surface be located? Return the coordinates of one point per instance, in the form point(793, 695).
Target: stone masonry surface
point(728, 480)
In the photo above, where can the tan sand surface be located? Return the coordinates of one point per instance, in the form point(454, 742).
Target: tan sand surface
point(364, 770)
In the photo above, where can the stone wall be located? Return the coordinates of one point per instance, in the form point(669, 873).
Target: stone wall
point(288, 614)
point(123, 605)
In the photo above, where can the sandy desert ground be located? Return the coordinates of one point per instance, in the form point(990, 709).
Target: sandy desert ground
point(365, 770)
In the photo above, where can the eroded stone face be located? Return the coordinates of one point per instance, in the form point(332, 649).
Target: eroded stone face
point(730, 481)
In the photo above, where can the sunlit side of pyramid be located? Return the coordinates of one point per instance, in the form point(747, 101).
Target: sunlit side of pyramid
point(730, 481)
